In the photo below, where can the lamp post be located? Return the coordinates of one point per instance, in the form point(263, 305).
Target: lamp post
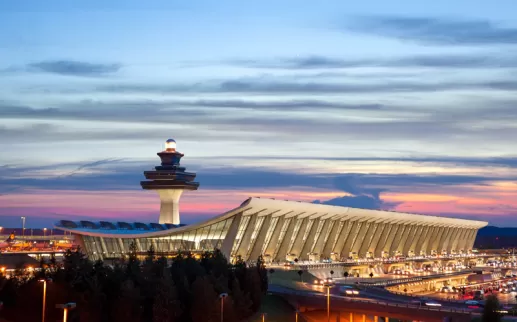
point(44, 281)
point(23, 226)
point(328, 301)
point(66, 307)
point(222, 296)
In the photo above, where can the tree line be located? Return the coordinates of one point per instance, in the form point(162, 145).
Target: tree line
point(184, 289)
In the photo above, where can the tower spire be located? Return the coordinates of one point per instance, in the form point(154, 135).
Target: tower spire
point(170, 180)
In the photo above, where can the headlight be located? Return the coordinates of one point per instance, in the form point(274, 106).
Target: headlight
point(348, 292)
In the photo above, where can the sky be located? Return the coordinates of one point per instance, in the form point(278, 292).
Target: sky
point(398, 105)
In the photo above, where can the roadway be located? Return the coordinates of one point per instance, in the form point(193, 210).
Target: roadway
point(368, 305)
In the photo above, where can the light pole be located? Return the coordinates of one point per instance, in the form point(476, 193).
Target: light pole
point(66, 307)
point(222, 296)
point(44, 232)
point(328, 301)
point(23, 226)
point(44, 281)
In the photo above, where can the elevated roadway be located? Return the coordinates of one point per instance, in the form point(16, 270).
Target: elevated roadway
point(393, 308)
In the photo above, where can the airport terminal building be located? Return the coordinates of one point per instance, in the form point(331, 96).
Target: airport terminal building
point(277, 229)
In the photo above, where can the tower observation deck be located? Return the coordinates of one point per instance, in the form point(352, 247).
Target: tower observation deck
point(169, 180)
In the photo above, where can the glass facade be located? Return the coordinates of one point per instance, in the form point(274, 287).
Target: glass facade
point(202, 239)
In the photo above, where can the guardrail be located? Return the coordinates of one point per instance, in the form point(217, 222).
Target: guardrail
point(383, 303)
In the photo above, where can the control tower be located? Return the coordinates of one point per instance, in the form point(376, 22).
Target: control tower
point(169, 180)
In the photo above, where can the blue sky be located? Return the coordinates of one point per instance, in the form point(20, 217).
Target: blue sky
point(378, 104)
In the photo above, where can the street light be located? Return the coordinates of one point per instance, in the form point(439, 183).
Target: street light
point(222, 296)
point(328, 301)
point(44, 232)
point(66, 307)
point(23, 226)
point(44, 281)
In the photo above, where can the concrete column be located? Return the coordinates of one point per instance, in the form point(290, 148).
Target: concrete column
point(351, 319)
point(446, 240)
point(169, 206)
point(383, 239)
point(309, 241)
point(229, 239)
point(452, 240)
point(271, 246)
point(256, 248)
point(420, 240)
point(435, 239)
point(246, 237)
point(409, 232)
point(344, 232)
point(408, 245)
point(381, 228)
point(364, 233)
point(391, 238)
point(375, 318)
point(328, 242)
point(442, 239)
point(457, 239)
point(367, 240)
point(463, 242)
point(472, 239)
point(364, 317)
point(320, 239)
point(401, 231)
point(298, 239)
point(281, 251)
point(356, 226)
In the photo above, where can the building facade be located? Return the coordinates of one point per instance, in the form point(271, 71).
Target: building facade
point(277, 229)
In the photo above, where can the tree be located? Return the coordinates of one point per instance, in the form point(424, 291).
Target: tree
point(242, 302)
point(205, 301)
point(345, 275)
point(300, 272)
point(262, 273)
point(371, 274)
point(490, 313)
point(150, 254)
point(331, 273)
point(166, 306)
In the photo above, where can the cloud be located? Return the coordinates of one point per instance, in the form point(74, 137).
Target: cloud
point(361, 201)
point(310, 87)
point(257, 120)
point(443, 61)
point(117, 174)
point(74, 68)
point(436, 31)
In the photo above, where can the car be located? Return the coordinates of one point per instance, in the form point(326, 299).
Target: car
point(432, 303)
point(348, 291)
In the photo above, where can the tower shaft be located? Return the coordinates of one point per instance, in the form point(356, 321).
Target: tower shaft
point(170, 206)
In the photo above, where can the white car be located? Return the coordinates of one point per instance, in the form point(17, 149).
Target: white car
point(348, 290)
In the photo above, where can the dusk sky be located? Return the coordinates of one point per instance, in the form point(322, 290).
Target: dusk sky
point(400, 105)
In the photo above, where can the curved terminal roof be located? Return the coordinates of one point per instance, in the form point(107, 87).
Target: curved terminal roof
point(267, 207)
